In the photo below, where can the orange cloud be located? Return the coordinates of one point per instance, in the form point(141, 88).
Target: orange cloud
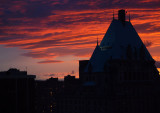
point(46, 34)
point(50, 61)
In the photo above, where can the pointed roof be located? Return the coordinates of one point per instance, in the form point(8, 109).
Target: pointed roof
point(119, 38)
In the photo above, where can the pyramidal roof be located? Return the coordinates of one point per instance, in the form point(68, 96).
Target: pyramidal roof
point(121, 41)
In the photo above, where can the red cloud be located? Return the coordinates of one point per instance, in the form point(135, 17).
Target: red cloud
point(49, 32)
point(50, 61)
point(39, 54)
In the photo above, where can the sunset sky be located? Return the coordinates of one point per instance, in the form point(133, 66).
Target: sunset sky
point(48, 37)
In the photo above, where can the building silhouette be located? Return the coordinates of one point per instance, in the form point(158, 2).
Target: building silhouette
point(123, 69)
point(51, 93)
point(17, 92)
point(46, 93)
point(120, 77)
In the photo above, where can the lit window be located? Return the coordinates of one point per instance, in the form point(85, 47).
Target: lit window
point(51, 93)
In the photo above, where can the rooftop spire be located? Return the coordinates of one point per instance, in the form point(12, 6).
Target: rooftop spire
point(97, 41)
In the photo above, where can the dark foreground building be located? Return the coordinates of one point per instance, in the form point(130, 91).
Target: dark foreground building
point(120, 76)
point(51, 93)
point(46, 93)
point(17, 92)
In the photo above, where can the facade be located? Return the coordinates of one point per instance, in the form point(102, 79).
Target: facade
point(17, 92)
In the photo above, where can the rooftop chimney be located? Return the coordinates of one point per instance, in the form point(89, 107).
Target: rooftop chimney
point(121, 15)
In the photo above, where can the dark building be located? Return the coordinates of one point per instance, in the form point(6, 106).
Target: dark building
point(68, 98)
point(17, 92)
point(70, 82)
point(120, 77)
point(46, 93)
point(123, 70)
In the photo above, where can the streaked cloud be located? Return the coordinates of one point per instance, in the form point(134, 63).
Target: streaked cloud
point(50, 61)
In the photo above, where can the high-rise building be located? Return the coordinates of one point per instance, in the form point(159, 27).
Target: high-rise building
point(17, 92)
point(46, 95)
point(122, 68)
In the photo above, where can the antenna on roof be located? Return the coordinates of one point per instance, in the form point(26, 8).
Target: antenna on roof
point(97, 41)
point(113, 14)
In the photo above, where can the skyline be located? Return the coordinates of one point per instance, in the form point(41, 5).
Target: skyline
point(49, 37)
